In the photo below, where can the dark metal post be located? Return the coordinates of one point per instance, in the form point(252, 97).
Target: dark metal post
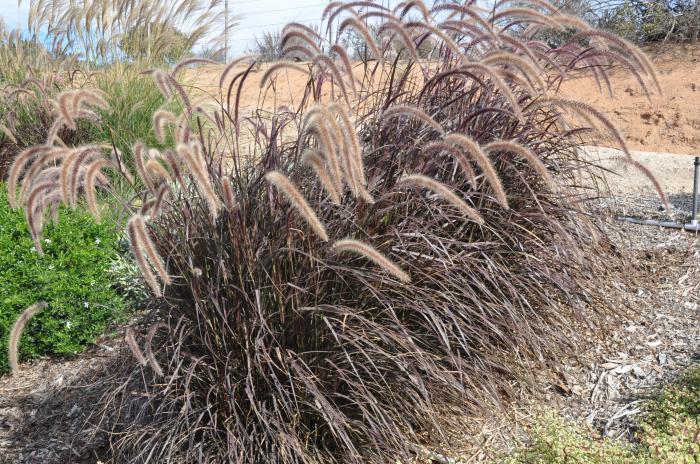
point(693, 218)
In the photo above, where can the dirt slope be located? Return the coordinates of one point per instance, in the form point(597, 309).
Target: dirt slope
point(667, 123)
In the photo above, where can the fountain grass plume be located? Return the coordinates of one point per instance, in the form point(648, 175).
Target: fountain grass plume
point(16, 334)
point(440, 189)
point(301, 35)
point(230, 67)
point(455, 9)
point(585, 110)
point(530, 157)
point(227, 194)
point(492, 74)
point(190, 61)
point(92, 171)
point(484, 163)
point(160, 119)
point(353, 151)
point(296, 199)
point(16, 170)
point(417, 4)
point(524, 66)
point(130, 339)
point(366, 35)
point(533, 16)
point(322, 123)
point(144, 251)
point(157, 171)
point(455, 152)
point(371, 253)
point(150, 357)
point(340, 51)
point(413, 112)
point(406, 40)
point(192, 155)
point(316, 160)
point(280, 65)
point(321, 60)
point(541, 3)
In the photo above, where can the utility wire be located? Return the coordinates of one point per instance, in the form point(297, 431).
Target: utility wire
point(282, 9)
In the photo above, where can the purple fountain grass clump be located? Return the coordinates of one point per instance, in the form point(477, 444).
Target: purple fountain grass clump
point(281, 343)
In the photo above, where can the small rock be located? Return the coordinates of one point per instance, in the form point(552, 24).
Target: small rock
point(75, 410)
point(623, 369)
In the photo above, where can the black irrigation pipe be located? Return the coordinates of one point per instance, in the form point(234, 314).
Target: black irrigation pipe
point(692, 226)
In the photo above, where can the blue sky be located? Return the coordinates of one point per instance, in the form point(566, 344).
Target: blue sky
point(13, 14)
point(257, 16)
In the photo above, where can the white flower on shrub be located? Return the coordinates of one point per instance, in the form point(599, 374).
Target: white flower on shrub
point(33, 249)
point(98, 241)
point(86, 304)
point(68, 324)
point(47, 241)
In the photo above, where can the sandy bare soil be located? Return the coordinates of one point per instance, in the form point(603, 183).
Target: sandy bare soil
point(665, 123)
point(659, 129)
point(669, 122)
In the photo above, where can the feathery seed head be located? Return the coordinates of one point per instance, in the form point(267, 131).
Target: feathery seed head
point(16, 334)
point(473, 149)
point(411, 111)
point(418, 180)
point(530, 157)
point(371, 253)
point(297, 200)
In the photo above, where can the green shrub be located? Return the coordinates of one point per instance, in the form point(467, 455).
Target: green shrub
point(72, 277)
point(668, 434)
point(670, 430)
point(555, 441)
